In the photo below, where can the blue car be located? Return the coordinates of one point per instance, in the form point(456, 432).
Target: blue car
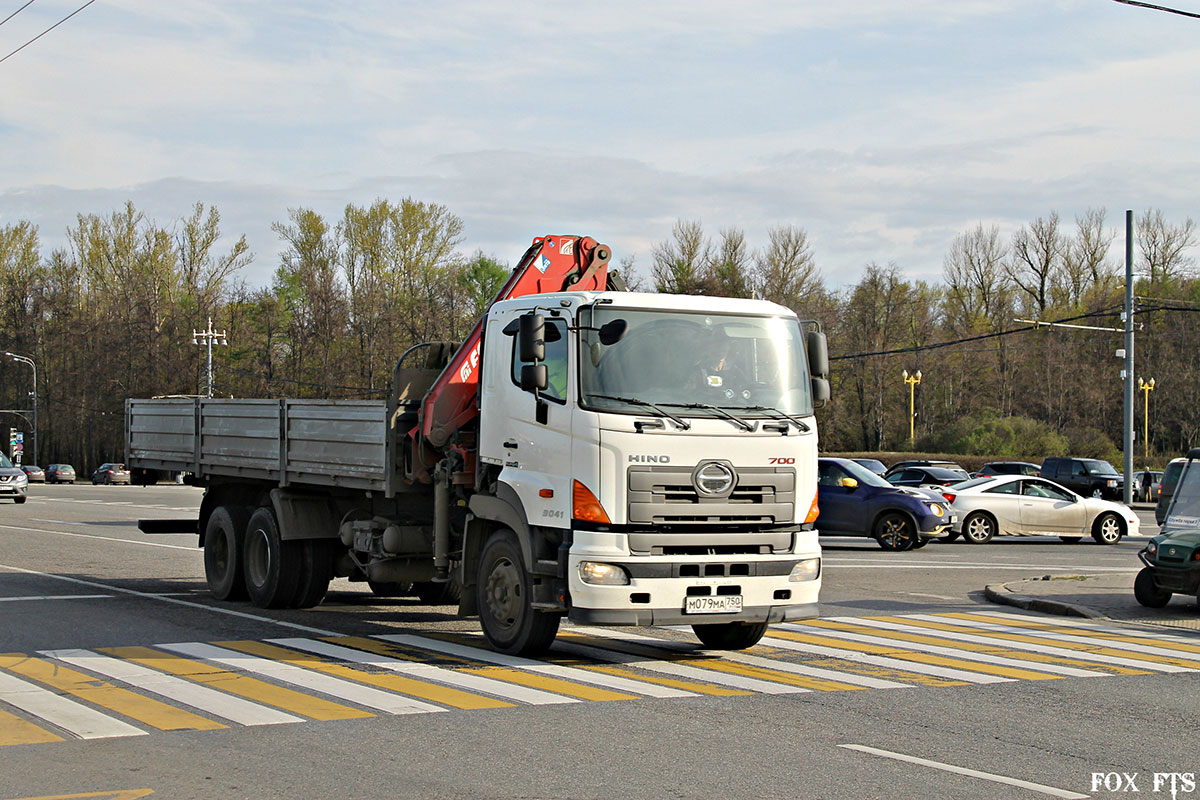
point(856, 502)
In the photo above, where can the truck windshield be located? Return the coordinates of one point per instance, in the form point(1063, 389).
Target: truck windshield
point(1185, 504)
point(695, 364)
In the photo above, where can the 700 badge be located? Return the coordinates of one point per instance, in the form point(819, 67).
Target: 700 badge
point(781, 461)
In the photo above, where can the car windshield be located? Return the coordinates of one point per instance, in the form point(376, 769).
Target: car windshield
point(1099, 468)
point(4, 462)
point(1185, 504)
point(863, 475)
point(1171, 476)
point(944, 473)
point(695, 364)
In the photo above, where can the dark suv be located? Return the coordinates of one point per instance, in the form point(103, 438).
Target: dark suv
point(1089, 477)
point(1166, 488)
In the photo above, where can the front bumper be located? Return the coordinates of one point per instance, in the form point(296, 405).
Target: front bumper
point(13, 489)
point(659, 585)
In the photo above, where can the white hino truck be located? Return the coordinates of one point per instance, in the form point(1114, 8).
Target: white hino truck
point(613, 457)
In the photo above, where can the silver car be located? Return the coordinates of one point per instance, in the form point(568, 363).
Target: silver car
point(1024, 505)
point(14, 482)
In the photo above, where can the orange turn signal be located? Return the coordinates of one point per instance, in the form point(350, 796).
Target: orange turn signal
point(586, 507)
point(813, 511)
point(545, 493)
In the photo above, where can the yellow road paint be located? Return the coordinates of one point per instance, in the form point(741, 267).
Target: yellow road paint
point(241, 685)
point(777, 676)
point(1166, 644)
point(14, 730)
point(548, 684)
point(674, 683)
point(436, 693)
point(920, 658)
point(101, 693)
point(123, 794)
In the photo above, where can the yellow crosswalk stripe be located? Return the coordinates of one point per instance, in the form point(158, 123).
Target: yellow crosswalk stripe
point(241, 685)
point(547, 684)
point(778, 676)
point(445, 695)
point(874, 671)
point(104, 694)
point(14, 730)
point(631, 671)
point(917, 657)
point(1116, 636)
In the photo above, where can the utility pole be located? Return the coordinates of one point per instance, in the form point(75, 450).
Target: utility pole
point(1127, 372)
point(29, 361)
point(207, 337)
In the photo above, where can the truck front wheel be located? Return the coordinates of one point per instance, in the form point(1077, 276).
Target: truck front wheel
point(730, 635)
point(270, 565)
point(223, 537)
point(1146, 591)
point(505, 595)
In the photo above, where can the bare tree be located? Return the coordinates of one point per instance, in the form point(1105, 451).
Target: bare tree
point(1163, 246)
point(679, 264)
point(786, 272)
point(1036, 261)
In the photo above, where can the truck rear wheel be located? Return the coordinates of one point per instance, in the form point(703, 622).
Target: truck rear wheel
point(730, 635)
point(316, 570)
point(223, 537)
point(437, 594)
point(504, 592)
point(270, 565)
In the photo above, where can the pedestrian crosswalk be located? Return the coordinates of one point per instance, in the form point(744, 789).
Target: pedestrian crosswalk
point(56, 695)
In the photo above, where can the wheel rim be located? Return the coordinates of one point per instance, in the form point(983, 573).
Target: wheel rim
point(979, 528)
point(258, 556)
point(504, 593)
point(1110, 531)
point(891, 531)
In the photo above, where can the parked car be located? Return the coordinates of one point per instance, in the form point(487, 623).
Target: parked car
point(873, 464)
point(920, 462)
point(60, 473)
point(110, 473)
point(854, 501)
point(1010, 468)
point(1166, 488)
point(13, 481)
point(1023, 505)
point(925, 477)
point(1146, 493)
point(1089, 477)
point(34, 473)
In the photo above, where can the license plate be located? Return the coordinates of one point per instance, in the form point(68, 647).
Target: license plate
point(710, 604)
point(953, 518)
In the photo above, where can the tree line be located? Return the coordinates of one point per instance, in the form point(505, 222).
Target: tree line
point(111, 315)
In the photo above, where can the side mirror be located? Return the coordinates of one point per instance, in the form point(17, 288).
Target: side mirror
point(818, 354)
point(531, 337)
point(849, 483)
point(820, 391)
point(613, 332)
point(534, 377)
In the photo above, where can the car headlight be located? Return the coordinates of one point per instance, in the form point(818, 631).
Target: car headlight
point(1112, 484)
point(602, 574)
point(807, 570)
point(936, 509)
point(1152, 548)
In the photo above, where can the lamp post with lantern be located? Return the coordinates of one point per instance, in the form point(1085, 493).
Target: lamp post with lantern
point(912, 381)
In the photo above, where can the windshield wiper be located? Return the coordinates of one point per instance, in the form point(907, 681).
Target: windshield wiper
point(683, 424)
point(746, 426)
point(799, 423)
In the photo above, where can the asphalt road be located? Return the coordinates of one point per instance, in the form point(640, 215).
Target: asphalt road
point(106, 635)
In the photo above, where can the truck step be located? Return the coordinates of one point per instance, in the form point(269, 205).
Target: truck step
point(545, 567)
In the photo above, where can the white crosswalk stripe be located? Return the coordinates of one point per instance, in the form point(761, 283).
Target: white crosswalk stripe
point(84, 722)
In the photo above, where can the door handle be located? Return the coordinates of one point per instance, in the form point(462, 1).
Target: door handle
point(511, 444)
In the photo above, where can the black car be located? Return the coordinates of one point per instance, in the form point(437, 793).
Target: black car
point(922, 462)
point(1011, 468)
point(926, 476)
point(873, 464)
point(856, 502)
point(1089, 477)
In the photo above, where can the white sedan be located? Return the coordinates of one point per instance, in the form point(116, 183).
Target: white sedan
point(1024, 505)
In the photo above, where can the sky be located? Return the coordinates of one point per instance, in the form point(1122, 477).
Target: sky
point(884, 129)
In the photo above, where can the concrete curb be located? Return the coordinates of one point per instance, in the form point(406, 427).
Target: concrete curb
point(1004, 594)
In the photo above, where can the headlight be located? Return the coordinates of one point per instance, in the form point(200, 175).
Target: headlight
point(1152, 548)
point(602, 574)
point(1112, 484)
point(807, 570)
point(936, 509)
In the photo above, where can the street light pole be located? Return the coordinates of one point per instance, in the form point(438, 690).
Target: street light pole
point(29, 361)
point(1127, 372)
point(912, 381)
point(1147, 387)
point(208, 336)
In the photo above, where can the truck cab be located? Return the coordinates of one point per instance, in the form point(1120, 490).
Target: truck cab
point(658, 453)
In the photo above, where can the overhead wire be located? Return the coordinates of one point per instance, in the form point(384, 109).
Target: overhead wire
point(18, 11)
point(1159, 8)
point(43, 33)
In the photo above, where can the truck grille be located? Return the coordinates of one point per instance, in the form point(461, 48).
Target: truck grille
point(666, 496)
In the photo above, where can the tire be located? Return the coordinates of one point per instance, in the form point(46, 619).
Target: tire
point(1069, 539)
point(919, 543)
point(1146, 592)
point(390, 588)
point(1107, 529)
point(316, 571)
point(437, 594)
point(978, 528)
point(504, 593)
point(18, 500)
point(895, 531)
point(223, 537)
point(730, 635)
point(270, 565)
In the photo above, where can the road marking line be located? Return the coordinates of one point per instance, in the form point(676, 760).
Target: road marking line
point(15, 730)
point(77, 718)
point(1037, 621)
point(307, 679)
point(219, 704)
point(145, 710)
point(971, 773)
point(54, 597)
point(242, 685)
point(94, 536)
point(555, 670)
point(800, 643)
point(847, 630)
point(1136, 636)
